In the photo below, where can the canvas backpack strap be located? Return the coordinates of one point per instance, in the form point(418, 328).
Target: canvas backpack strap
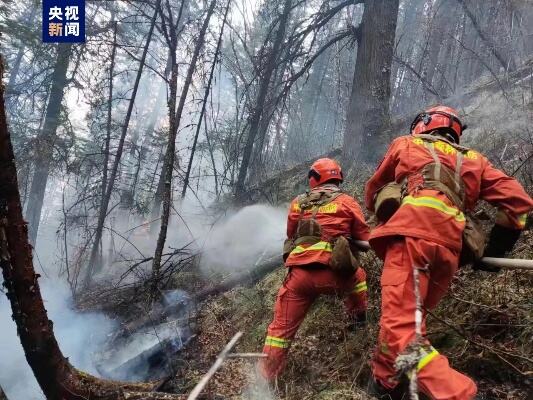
point(437, 138)
point(436, 159)
point(459, 189)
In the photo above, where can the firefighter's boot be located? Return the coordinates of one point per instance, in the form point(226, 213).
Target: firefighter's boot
point(357, 322)
point(378, 391)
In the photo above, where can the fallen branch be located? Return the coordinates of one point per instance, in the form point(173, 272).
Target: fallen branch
point(214, 368)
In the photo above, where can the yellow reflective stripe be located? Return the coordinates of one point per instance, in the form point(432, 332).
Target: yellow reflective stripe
point(360, 287)
point(384, 348)
point(322, 246)
point(436, 204)
point(330, 208)
point(522, 220)
point(273, 341)
point(427, 359)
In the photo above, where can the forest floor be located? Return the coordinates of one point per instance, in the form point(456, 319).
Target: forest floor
point(484, 326)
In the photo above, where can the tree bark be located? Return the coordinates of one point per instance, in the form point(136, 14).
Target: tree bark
point(172, 67)
point(109, 114)
point(47, 139)
point(257, 110)
point(204, 103)
point(109, 189)
point(57, 378)
point(175, 118)
point(368, 108)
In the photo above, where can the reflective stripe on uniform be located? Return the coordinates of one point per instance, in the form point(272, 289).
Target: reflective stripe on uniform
point(436, 204)
point(522, 220)
point(330, 208)
point(273, 341)
point(425, 359)
point(360, 287)
point(320, 246)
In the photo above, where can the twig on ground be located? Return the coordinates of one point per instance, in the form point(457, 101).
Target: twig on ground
point(496, 352)
point(214, 368)
point(247, 355)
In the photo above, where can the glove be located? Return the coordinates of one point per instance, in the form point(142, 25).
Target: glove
point(501, 241)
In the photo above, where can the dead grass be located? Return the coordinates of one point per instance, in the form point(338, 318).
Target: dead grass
point(484, 326)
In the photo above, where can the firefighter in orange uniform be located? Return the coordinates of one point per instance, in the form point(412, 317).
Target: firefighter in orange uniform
point(441, 181)
point(316, 221)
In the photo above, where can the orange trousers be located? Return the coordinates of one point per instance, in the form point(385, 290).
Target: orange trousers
point(437, 266)
point(300, 289)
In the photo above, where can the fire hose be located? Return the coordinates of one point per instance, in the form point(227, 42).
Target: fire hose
point(504, 263)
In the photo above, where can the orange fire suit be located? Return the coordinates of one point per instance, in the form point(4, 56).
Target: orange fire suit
point(426, 233)
point(309, 276)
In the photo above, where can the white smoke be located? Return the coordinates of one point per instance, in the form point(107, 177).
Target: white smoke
point(232, 243)
point(79, 336)
point(258, 388)
point(238, 241)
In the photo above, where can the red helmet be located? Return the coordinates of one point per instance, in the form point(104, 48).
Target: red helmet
point(438, 117)
point(324, 170)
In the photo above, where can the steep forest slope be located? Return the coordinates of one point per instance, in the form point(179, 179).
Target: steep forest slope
point(484, 325)
point(497, 109)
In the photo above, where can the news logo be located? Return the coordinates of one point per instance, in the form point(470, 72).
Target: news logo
point(63, 21)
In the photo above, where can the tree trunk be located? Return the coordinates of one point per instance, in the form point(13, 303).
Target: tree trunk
point(57, 378)
point(368, 108)
point(506, 62)
point(256, 112)
point(109, 189)
point(47, 138)
point(2, 394)
point(174, 124)
point(13, 74)
point(204, 103)
point(109, 114)
point(174, 34)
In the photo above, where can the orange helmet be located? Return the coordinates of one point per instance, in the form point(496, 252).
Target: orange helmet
point(438, 117)
point(324, 170)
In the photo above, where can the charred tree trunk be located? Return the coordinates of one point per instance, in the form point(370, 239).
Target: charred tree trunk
point(175, 118)
point(257, 110)
point(57, 378)
point(109, 189)
point(47, 138)
point(368, 108)
point(204, 104)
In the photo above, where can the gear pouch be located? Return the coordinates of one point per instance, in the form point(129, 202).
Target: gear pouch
point(474, 241)
point(388, 200)
point(343, 261)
